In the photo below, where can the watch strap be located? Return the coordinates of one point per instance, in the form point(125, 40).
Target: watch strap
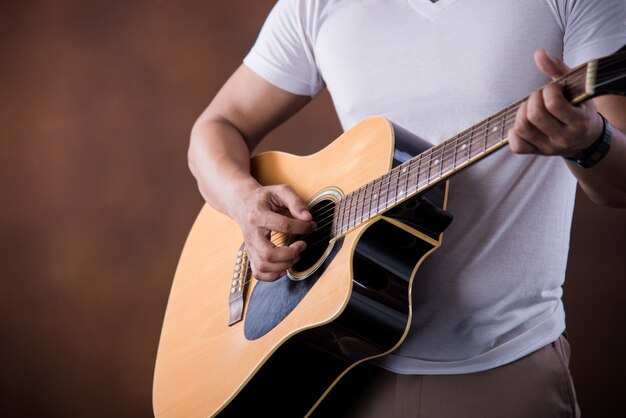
point(596, 151)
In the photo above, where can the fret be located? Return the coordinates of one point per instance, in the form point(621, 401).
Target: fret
point(413, 173)
point(466, 148)
point(376, 195)
point(428, 158)
point(344, 215)
point(384, 191)
point(393, 188)
point(411, 181)
point(358, 209)
point(350, 209)
point(441, 158)
point(404, 179)
point(474, 146)
point(360, 200)
point(424, 169)
point(429, 165)
point(401, 192)
point(417, 164)
point(494, 130)
point(367, 204)
point(487, 128)
point(449, 156)
point(455, 152)
point(336, 223)
point(401, 183)
point(433, 175)
point(339, 217)
point(502, 130)
point(471, 141)
point(373, 205)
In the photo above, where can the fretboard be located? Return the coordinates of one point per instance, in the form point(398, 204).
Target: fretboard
point(437, 163)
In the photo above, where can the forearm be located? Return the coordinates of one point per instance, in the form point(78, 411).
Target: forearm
point(605, 183)
point(219, 159)
point(548, 124)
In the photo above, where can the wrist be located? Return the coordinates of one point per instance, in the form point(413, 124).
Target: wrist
point(238, 193)
point(597, 150)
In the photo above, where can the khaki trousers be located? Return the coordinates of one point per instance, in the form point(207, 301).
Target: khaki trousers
point(536, 386)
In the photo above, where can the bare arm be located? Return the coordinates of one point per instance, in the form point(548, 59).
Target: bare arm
point(605, 183)
point(549, 125)
point(246, 109)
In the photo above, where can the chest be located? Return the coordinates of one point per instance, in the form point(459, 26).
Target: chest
point(470, 58)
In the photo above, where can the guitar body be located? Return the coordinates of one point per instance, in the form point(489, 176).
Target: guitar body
point(296, 338)
point(234, 346)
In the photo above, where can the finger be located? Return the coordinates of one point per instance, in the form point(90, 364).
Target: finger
point(267, 277)
point(269, 268)
point(552, 67)
point(280, 223)
point(540, 118)
point(264, 251)
point(289, 199)
point(268, 271)
point(520, 146)
point(298, 246)
point(521, 132)
point(559, 107)
point(270, 263)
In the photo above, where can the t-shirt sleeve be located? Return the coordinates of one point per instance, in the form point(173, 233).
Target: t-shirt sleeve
point(283, 53)
point(593, 29)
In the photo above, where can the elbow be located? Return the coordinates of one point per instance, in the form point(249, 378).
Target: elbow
point(192, 149)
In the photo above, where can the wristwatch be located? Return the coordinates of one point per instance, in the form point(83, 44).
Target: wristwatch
point(596, 151)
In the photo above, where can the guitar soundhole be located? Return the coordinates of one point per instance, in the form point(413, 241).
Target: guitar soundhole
point(318, 242)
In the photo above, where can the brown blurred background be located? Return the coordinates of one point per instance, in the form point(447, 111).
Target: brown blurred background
point(96, 103)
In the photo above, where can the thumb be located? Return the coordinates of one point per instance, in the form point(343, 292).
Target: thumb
point(552, 67)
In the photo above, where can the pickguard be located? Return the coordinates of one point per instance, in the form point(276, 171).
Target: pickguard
point(271, 302)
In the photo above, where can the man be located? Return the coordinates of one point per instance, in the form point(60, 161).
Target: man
point(486, 339)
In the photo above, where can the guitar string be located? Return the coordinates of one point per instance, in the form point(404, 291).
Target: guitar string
point(426, 159)
point(576, 75)
point(612, 80)
point(393, 198)
point(398, 176)
point(439, 151)
point(463, 138)
point(405, 175)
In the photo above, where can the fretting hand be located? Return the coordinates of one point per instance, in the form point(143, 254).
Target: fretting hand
point(548, 124)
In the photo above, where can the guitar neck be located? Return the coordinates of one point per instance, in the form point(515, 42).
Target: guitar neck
point(443, 160)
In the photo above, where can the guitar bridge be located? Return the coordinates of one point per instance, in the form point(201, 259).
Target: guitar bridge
point(240, 279)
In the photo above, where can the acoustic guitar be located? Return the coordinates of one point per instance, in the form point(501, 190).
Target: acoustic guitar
point(231, 344)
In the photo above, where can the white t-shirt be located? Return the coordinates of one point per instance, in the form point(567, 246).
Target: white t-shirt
point(492, 293)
